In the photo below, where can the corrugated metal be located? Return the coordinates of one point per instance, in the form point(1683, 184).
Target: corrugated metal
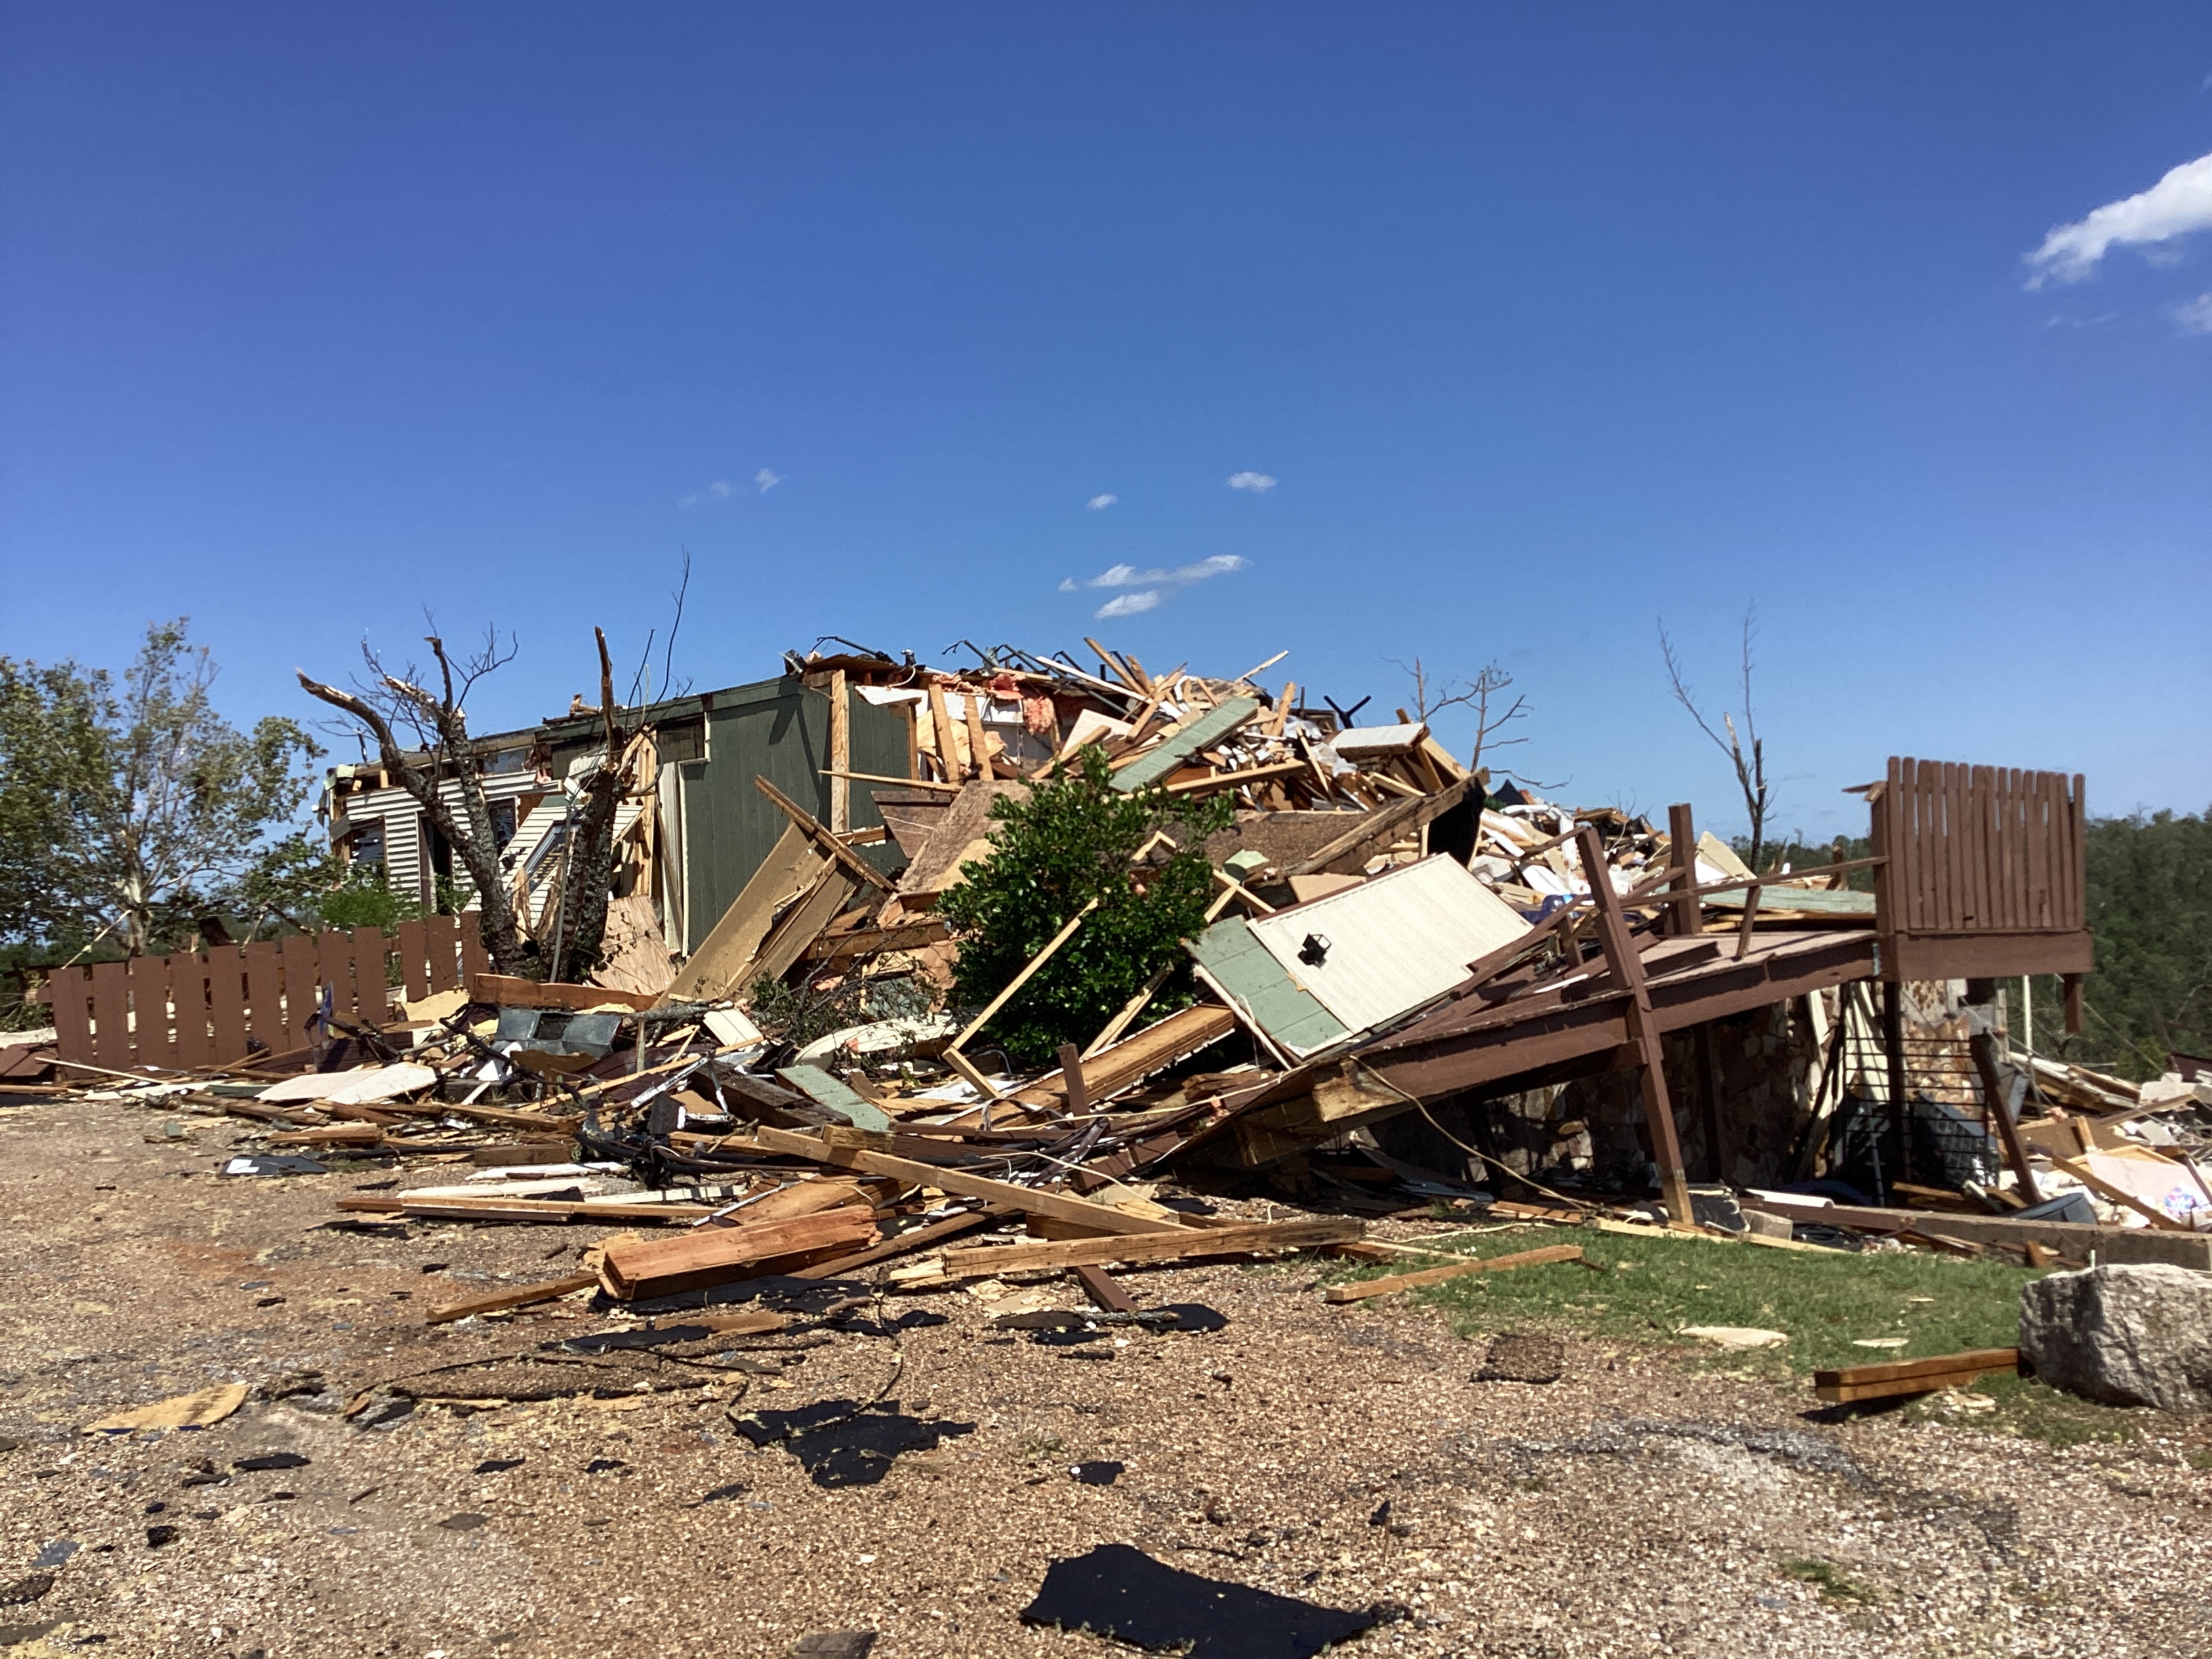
point(1393, 943)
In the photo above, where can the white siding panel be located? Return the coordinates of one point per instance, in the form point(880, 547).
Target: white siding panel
point(1394, 943)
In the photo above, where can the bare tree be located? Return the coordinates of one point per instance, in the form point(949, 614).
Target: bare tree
point(385, 705)
point(1744, 749)
point(1485, 692)
point(588, 877)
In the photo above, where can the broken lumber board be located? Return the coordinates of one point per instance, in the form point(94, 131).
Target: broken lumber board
point(815, 831)
point(2072, 1239)
point(1346, 854)
point(720, 966)
point(913, 1238)
point(342, 1134)
point(513, 991)
point(521, 1297)
point(1414, 1281)
point(1059, 1205)
point(1100, 1286)
point(1134, 1059)
point(2111, 1195)
point(1846, 1384)
point(1634, 1230)
point(539, 1209)
point(914, 933)
point(1153, 765)
point(720, 1256)
point(1249, 1239)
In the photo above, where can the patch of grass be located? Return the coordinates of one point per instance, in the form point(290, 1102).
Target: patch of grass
point(1646, 1289)
point(1829, 1580)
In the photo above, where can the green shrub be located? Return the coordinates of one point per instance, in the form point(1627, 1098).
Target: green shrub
point(1074, 839)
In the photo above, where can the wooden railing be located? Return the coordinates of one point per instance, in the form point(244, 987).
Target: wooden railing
point(211, 1007)
point(1984, 874)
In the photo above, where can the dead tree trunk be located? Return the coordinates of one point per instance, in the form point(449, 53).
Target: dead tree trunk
point(468, 831)
point(590, 877)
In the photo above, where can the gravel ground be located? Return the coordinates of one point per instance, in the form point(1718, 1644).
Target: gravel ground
point(1343, 1455)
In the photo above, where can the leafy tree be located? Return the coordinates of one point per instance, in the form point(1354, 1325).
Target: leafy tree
point(1076, 838)
point(129, 811)
point(2150, 904)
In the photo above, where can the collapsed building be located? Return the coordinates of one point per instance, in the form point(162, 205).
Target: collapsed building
point(1415, 983)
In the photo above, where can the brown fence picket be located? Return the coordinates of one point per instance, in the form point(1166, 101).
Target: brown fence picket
point(69, 992)
point(188, 991)
point(149, 1011)
point(439, 932)
point(226, 1004)
point(415, 959)
point(301, 1002)
point(372, 981)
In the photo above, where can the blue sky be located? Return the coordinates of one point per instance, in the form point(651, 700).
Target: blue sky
point(1544, 322)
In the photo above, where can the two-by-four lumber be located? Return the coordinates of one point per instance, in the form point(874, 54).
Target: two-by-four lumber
point(1058, 1205)
point(521, 1297)
point(706, 1256)
point(1182, 1245)
point(1361, 1290)
point(812, 828)
point(1845, 1384)
point(1102, 1289)
point(1620, 955)
point(1369, 830)
point(511, 991)
point(913, 1238)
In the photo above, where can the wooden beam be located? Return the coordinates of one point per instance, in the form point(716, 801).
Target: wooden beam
point(1181, 1244)
point(520, 1297)
point(1057, 1206)
point(2105, 1189)
point(1904, 1377)
point(511, 991)
point(840, 754)
point(811, 827)
point(1682, 845)
point(1362, 1289)
point(1100, 1286)
point(1380, 827)
point(1627, 965)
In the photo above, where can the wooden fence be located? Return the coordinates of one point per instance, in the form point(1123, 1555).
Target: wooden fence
point(211, 1007)
point(1986, 871)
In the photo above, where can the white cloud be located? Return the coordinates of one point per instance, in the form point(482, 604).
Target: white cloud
point(719, 489)
point(1127, 575)
point(1258, 482)
point(766, 480)
point(1099, 503)
point(1127, 605)
point(1147, 588)
point(2180, 202)
point(687, 501)
point(2194, 315)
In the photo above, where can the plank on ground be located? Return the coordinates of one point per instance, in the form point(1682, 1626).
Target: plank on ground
point(521, 1297)
point(1059, 1205)
point(1180, 1245)
point(1843, 1384)
point(1367, 1287)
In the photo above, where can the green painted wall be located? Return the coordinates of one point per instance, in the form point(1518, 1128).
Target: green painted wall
point(778, 729)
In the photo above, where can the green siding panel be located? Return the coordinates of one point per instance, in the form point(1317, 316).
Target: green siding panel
point(1164, 757)
point(1280, 1006)
point(779, 730)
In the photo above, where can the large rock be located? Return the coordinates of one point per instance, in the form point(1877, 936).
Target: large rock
point(2123, 1335)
